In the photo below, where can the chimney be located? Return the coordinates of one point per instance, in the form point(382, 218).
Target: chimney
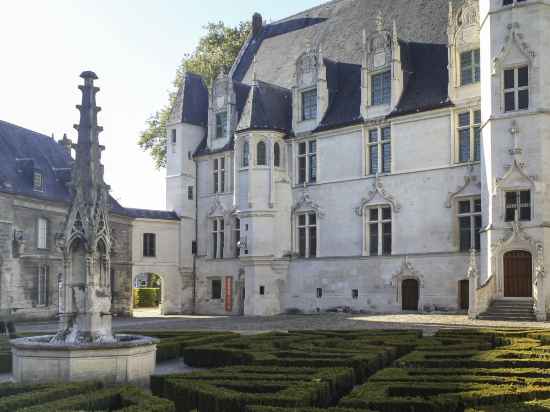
point(257, 24)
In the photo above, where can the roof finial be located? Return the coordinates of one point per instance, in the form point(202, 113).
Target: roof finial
point(394, 32)
point(364, 39)
point(450, 12)
point(379, 20)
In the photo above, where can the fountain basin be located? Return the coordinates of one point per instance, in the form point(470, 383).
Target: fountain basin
point(130, 359)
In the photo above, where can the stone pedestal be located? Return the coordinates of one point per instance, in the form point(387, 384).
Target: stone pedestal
point(129, 360)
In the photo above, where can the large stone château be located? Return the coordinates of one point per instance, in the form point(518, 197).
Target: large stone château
point(380, 155)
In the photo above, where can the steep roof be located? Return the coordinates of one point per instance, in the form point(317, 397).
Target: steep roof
point(22, 152)
point(191, 102)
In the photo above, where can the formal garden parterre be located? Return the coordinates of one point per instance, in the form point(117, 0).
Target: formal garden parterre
point(483, 370)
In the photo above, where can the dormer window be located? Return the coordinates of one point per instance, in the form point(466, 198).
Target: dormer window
point(381, 88)
point(309, 104)
point(516, 89)
point(221, 125)
point(38, 182)
point(469, 67)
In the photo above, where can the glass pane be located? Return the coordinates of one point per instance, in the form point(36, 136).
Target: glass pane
point(302, 220)
point(309, 105)
point(509, 81)
point(523, 76)
point(302, 148)
point(386, 133)
point(312, 219)
point(465, 234)
point(222, 237)
point(386, 239)
point(477, 205)
point(464, 119)
point(312, 241)
point(301, 169)
point(373, 135)
point(373, 239)
point(464, 145)
point(477, 117)
point(511, 199)
point(510, 214)
point(312, 168)
point(525, 196)
point(373, 159)
point(276, 155)
point(466, 75)
point(302, 242)
point(466, 58)
point(509, 101)
point(525, 213)
point(464, 206)
point(214, 245)
point(373, 215)
point(477, 235)
point(386, 158)
point(381, 88)
point(261, 159)
point(477, 143)
point(386, 213)
point(523, 99)
point(215, 225)
point(312, 146)
point(476, 56)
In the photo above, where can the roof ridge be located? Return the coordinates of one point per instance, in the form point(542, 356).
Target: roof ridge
point(28, 130)
point(305, 12)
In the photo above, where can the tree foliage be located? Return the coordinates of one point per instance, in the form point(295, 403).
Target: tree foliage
point(216, 52)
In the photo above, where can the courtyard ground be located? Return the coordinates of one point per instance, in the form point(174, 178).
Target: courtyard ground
point(429, 323)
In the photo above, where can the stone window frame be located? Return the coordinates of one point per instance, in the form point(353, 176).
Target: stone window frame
point(472, 127)
point(473, 66)
point(471, 214)
point(516, 89)
point(307, 227)
point(219, 174)
point(379, 144)
point(308, 155)
point(42, 232)
point(217, 238)
point(379, 222)
point(518, 203)
point(42, 282)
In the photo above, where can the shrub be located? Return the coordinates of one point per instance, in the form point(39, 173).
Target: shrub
point(146, 297)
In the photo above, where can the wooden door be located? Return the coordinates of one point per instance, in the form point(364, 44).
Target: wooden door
point(409, 291)
point(464, 294)
point(518, 274)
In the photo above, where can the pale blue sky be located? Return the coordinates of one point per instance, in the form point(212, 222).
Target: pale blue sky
point(134, 46)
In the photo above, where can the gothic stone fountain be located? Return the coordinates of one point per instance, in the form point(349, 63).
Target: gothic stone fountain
point(85, 348)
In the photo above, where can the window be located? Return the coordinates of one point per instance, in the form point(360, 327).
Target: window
point(518, 202)
point(149, 244)
point(277, 155)
point(38, 182)
point(245, 154)
point(307, 235)
point(261, 158)
point(262, 290)
point(42, 285)
point(319, 293)
point(218, 238)
point(516, 89)
point(469, 67)
point(237, 237)
point(509, 2)
point(189, 155)
point(218, 166)
point(216, 288)
point(469, 136)
point(173, 140)
point(355, 294)
point(379, 228)
point(379, 150)
point(309, 104)
point(189, 192)
point(381, 88)
point(307, 162)
point(469, 223)
point(221, 125)
point(42, 240)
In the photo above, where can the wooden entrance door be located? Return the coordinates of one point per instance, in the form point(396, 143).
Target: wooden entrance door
point(464, 294)
point(409, 291)
point(518, 274)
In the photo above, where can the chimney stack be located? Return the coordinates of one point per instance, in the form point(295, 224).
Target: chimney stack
point(257, 24)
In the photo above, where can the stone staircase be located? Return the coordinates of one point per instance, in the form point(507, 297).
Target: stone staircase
point(521, 310)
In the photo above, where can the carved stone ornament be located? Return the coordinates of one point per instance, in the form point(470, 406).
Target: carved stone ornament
point(539, 264)
point(306, 203)
point(18, 243)
point(514, 38)
point(472, 272)
point(378, 189)
point(469, 179)
point(217, 209)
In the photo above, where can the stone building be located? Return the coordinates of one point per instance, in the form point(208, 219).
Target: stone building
point(35, 199)
point(379, 155)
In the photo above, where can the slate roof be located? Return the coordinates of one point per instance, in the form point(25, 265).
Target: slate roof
point(191, 102)
point(268, 107)
point(151, 214)
point(22, 152)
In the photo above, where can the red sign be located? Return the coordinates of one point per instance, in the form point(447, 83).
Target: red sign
point(228, 293)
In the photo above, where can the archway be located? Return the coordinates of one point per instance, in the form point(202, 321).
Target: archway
point(518, 270)
point(410, 294)
point(147, 295)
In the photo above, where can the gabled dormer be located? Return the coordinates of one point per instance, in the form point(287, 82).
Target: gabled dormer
point(222, 112)
point(464, 52)
point(310, 95)
point(382, 77)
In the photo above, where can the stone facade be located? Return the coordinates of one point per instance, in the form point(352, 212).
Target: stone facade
point(355, 151)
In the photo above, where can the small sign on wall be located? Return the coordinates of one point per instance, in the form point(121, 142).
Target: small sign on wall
point(228, 293)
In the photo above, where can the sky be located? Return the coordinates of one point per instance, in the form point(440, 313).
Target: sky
point(134, 46)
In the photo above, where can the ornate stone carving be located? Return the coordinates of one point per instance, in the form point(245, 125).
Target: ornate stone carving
point(472, 272)
point(514, 38)
point(407, 271)
point(306, 203)
point(18, 243)
point(470, 178)
point(539, 264)
point(378, 189)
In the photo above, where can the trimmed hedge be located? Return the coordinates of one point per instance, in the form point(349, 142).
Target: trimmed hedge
point(146, 297)
point(123, 399)
point(275, 409)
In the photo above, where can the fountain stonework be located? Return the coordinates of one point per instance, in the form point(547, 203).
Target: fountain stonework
point(85, 348)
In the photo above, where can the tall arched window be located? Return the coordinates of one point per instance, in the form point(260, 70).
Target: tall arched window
point(261, 154)
point(245, 154)
point(277, 155)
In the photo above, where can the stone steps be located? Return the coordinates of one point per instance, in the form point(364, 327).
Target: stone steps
point(510, 310)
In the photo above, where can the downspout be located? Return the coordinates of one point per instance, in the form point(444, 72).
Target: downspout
point(196, 237)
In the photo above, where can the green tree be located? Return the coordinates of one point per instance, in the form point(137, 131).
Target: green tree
point(216, 52)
